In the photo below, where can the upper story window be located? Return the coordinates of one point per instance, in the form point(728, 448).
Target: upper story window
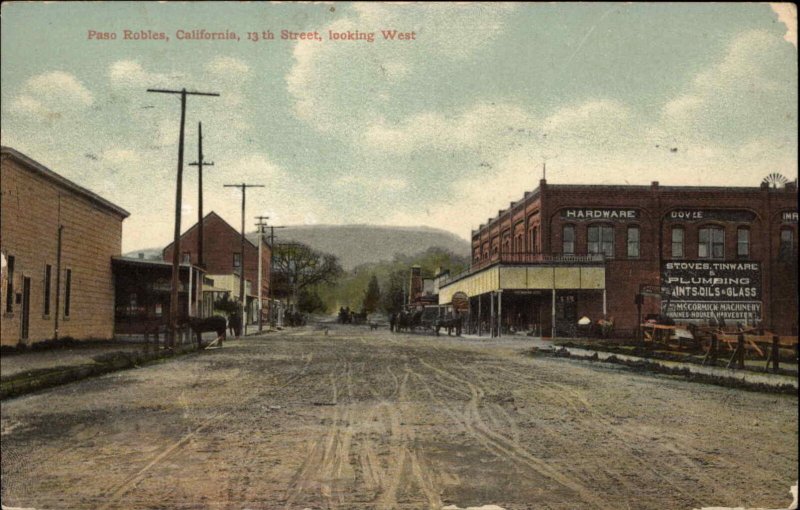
point(677, 242)
point(786, 247)
point(187, 257)
point(568, 240)
point(67, 292)
point(237, 260)
point(601, 240)
point(534, 234)
point(743, 242)
point(711, 243)
point(633, 242)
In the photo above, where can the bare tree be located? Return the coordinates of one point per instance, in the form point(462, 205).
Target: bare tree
point(296, 266)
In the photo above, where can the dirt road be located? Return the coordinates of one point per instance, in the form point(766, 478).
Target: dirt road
point(365, 419)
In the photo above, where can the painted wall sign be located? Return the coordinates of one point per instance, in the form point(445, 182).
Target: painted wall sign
point(701, 290)
point(734, 215)
point(789, 217)
point(586, 213)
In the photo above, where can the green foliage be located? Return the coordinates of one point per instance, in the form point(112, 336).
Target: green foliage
point(372, 296)
point(308, 301)
point(226, 305)
point(392, 277)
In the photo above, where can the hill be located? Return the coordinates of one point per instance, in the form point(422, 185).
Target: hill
point(359, 244)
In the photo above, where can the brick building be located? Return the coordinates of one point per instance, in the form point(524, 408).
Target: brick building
point(57, 240)
point(222, 249)
point(693, 253)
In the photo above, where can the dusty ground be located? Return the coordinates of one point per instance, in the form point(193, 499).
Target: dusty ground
point(365, 419)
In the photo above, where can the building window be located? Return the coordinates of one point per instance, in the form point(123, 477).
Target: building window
point(48, 270)
point(786, 248)
point(187, 257)
point(633, 242)
point(10, 285)
point(712, 243)
point(568, 240)
point(601, 240)
point(237, 260)
point(743, 242)
point(67, 292)
point(677, 242)
point(534, 237)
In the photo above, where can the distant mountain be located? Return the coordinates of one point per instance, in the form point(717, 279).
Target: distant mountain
point(357, 244)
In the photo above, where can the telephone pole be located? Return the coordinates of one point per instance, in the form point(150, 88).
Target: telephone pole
point(261, 224)
point(176, 243)
point(242, 297)
point(200, 163)
point(271, 263)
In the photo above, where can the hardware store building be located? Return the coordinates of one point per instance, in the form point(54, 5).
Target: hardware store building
point(695, 254)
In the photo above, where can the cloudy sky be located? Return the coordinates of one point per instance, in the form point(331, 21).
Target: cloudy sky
point(442, 130)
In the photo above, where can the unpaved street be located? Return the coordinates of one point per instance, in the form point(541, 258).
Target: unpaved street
point(365, 419)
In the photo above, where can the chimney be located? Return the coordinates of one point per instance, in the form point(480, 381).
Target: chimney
point(141, 255)
point(654, 185)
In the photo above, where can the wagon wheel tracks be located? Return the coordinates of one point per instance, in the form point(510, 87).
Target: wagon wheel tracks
point(577, 402)
point(171, 448)
point(499, 443)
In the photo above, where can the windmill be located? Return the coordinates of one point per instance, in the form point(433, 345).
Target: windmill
point(774, 180)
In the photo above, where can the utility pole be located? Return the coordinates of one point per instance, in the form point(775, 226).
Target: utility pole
point(176, 243)
point(261, 224)
point(200, 163)
point(271, 263)
point(242, 297)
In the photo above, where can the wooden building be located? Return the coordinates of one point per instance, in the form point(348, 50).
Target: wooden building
point(57, 240)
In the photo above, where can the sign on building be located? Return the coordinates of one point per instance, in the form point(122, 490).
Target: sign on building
point(599, 213)
point(703, 290)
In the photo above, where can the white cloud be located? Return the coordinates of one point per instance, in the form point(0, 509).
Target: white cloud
point(371, 184)
point(745, 92)
point(121, 156)
point(320, 81)
point(131, 74)
point(787, 14)
point(227, 66)
point(51, 95)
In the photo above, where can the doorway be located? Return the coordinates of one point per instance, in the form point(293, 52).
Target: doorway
point(26, 308)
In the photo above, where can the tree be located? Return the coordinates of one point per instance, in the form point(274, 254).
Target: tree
point(308, 301)
point(393, 293)
point(372, 296)
point(296, 266)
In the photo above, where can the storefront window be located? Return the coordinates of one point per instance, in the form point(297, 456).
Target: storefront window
point(677, 242)
point(601, 240)
point(633, 242)
point(787, 243)
point(568, 240)
point(712, 243)
point(743, 243)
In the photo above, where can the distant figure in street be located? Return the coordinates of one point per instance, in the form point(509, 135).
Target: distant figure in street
point(235, 324)
point(392, 321)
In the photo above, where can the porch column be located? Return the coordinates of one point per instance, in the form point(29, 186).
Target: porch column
point(605, 315)
point(553, 327)
point(491, 314)
point(479, 314)
point(500, 313)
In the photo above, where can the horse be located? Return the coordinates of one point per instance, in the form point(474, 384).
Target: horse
point(216, 324)
point(453, 323)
